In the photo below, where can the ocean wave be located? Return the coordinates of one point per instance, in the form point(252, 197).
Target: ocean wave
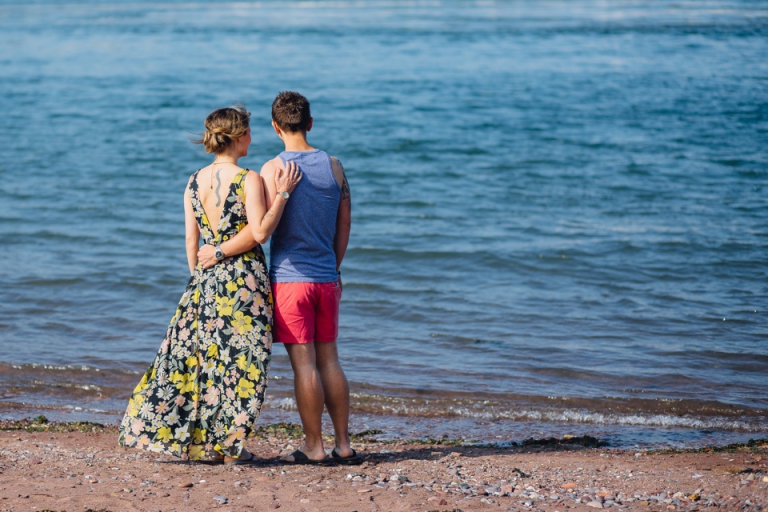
point(486, 410)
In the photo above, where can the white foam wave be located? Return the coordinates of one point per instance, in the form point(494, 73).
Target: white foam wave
point(286, 404)
point(758, 424)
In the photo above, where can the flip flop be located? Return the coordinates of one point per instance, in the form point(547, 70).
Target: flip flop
point(350, 460)
point(211, 461)
point(244, 462)
point(299, 457)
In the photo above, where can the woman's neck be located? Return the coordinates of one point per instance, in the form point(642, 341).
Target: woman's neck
point(226, 157)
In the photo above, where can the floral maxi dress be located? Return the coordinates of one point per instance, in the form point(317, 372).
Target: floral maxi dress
point(203, 393)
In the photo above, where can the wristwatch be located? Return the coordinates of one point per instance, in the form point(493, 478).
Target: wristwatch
point(219, 253)
point(285, 195)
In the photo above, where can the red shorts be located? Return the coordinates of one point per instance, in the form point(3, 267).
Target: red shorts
point(306, 312)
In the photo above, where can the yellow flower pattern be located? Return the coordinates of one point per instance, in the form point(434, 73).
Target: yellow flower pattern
point(203, 393)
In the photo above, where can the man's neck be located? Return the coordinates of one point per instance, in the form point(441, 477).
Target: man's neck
point(296, 142)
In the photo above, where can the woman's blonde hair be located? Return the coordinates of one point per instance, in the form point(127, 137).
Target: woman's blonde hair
point(224, 125)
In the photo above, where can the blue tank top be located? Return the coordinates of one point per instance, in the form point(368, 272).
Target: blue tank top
point(301, 249)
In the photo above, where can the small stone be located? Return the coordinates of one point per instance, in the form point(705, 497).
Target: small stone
point(442, 502)
point(127, 490)
point(304, 500)
point(570, 485)
point(221, 499)
point(455, 454)
point(35, 461)
point(186, 485)
point(694, 497)
point(274, 505)
point(361, 491)
point(595, 504)
point(765, 479)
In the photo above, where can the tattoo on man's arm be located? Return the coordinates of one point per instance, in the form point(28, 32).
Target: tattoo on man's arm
point(345, 194)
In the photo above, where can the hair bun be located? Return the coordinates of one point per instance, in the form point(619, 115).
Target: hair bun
point(223, 126)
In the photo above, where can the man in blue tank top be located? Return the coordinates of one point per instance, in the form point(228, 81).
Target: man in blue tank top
point(305, 256)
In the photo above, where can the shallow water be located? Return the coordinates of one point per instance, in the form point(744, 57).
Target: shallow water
point(560, 214)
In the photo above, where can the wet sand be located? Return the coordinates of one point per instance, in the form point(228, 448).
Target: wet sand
point(80, 467)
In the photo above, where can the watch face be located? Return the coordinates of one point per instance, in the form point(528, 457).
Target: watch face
point(285, 195)
point(219, 254)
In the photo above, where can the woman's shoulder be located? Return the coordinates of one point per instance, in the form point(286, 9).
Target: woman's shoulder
point(194, 174)
point(193, 178)
point(251, 177)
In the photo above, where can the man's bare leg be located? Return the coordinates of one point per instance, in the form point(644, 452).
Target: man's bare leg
point(336, 394)
point(310, 397)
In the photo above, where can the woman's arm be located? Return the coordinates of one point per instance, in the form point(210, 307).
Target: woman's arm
point(191, 232)
point(256, 208)
point(262, 221)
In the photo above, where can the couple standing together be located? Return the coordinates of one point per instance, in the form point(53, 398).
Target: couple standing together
point(202, 395)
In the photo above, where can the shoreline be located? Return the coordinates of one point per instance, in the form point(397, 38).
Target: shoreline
point(69, 466)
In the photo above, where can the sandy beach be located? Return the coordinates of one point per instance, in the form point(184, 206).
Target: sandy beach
point(49, 466)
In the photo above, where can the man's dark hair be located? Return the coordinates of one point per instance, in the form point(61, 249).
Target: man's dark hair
point(290, 111)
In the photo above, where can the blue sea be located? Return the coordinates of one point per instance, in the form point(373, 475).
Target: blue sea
point(560, 207)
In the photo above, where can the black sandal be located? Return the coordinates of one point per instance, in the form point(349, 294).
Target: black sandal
point(350, 460)
point(244, 462)
point(299, 457)
point(211, 461)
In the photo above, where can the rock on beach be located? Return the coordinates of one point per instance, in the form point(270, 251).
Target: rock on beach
point(72, 470)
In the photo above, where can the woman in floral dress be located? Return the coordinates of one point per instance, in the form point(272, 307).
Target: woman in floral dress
point(202, 395)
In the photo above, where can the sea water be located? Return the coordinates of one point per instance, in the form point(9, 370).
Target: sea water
point(560, 213)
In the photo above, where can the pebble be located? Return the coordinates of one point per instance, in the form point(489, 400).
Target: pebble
point(595, 504)
point(186, 485)
point(361, 491)
point(274, 505)
point(221, 499)
point(570, 485)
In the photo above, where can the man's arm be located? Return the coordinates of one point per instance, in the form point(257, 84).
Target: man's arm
point(344, 214)
point(238, 244)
